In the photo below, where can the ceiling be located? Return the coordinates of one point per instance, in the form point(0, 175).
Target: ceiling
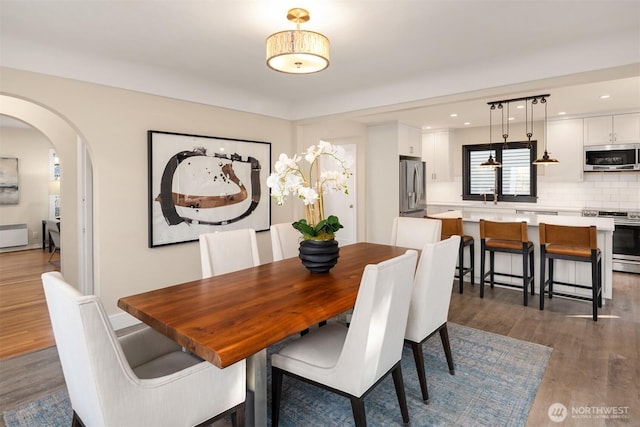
point(415, 61)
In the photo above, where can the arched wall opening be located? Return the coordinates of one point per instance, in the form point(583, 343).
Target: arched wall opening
point(75, 186)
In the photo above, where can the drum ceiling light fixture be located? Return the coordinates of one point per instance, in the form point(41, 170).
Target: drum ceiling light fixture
point(297, 51)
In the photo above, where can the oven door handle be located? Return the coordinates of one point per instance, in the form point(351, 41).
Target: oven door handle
point(627, 223)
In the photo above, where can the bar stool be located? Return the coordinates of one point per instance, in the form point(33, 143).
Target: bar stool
point(506, 237)
point(455, 227)
point(571, 243)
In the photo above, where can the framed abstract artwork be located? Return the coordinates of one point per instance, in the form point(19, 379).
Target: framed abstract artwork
point(200, 184)
point(9, 188)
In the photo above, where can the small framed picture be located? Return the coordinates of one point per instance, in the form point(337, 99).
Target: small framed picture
point(199, 184)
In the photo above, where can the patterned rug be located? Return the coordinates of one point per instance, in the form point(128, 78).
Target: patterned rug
point(495, 383)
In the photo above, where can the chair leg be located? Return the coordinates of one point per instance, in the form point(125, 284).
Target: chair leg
point(402, 399)
point(543, 261)
point(461, 266)
point(600, 283)
point(472, 263)
point(276, 394)
point(550, 278)
point(492, 262)
point(237, 417)
point(76, 421)
point(357, 407)
point(532, 274)
point(525, 269)
point(594, 287)
point(53, 253)
point(444, 337)
point(482, 261)
point(418, 356)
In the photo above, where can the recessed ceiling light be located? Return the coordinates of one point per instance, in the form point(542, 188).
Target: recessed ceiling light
point(605, 96)
point(453, 115)
point(520, 107)
point(467, 123)
point(426, 127)
point(512, 118)
point(562, 113)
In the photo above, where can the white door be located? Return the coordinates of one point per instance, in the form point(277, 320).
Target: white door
point(343, 205)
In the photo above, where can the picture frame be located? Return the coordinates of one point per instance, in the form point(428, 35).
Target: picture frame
point(9, 181)
point(201, 184)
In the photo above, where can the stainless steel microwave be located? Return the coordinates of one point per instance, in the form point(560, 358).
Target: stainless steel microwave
point(614, 157)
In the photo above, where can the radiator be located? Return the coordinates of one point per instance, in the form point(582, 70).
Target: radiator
point(13, 235)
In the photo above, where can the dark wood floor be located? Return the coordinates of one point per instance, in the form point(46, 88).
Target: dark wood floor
point(593, 364)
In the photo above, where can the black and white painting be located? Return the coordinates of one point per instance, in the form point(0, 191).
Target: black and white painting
point(9, 190)
point(200, 184)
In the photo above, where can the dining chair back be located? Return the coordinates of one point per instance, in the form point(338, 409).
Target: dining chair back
point(429, 309)
point(414, 233)
point(53, 228)
point(351, 361)
point(509, 237)
point(227, 251)
point(285, 241)
point(142, 378)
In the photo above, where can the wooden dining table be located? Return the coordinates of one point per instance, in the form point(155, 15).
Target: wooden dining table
point(235, 316)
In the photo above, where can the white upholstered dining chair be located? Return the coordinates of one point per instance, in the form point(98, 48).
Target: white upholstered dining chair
point(285, 241)
point(429, 309)
point(351, 361)
point(142, 378)
point(227, 251)
point(414, 233)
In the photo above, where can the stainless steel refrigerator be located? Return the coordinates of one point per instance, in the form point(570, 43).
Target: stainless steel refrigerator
point(412, 186)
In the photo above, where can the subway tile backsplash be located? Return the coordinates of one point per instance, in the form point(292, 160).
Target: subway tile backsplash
point(598, 190)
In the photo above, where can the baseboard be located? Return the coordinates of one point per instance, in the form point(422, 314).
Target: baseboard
point(21, 248)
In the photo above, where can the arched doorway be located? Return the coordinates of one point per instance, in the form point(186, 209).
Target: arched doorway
point(76, 186)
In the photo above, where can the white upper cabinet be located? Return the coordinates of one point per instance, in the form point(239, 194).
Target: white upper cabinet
point(618, 129)
point(436, 152)
point(409, 141)
point(564, 143)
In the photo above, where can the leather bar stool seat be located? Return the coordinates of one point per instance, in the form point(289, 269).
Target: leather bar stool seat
point(570, 243)
point(455, 227)
point(510, 238)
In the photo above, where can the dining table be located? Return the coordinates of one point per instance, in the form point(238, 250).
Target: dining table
point(227, 318)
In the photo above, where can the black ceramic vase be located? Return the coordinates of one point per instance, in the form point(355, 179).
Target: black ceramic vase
point(319, 256)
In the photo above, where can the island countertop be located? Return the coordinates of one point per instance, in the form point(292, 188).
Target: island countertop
point(569, 270)
point(604, 224)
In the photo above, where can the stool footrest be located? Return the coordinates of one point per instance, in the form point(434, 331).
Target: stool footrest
point(562, 294)
point(574, 285)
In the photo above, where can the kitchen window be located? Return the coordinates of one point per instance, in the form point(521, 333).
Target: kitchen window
point(515, 180)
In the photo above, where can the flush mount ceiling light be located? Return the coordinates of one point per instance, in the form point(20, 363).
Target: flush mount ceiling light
point(297, 51)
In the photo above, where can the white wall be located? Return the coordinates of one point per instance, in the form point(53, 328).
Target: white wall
point(32, 150)
point(113, 123)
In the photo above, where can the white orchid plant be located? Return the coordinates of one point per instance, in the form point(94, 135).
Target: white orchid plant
point(289, 179)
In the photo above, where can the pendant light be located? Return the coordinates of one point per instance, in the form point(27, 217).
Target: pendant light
point(297, 51)
point(545, 159)
point(491, 163)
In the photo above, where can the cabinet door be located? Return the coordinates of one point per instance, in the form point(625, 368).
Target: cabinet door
point(436, 152)
point(598, 130)
point(409, 141)
point(564, 143)
point(626, 128)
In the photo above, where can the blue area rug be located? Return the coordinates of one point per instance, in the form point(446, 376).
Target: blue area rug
point(495, 383)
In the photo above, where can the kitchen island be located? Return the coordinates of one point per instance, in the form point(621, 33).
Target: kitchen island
point(565, 271)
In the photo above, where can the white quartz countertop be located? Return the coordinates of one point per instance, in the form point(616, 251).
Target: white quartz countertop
point(489, 205)
point(602, 224)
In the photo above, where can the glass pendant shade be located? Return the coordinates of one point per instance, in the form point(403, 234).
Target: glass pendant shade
point(546, 160)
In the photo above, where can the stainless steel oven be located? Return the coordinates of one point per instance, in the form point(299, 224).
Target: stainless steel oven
point(626, 239)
